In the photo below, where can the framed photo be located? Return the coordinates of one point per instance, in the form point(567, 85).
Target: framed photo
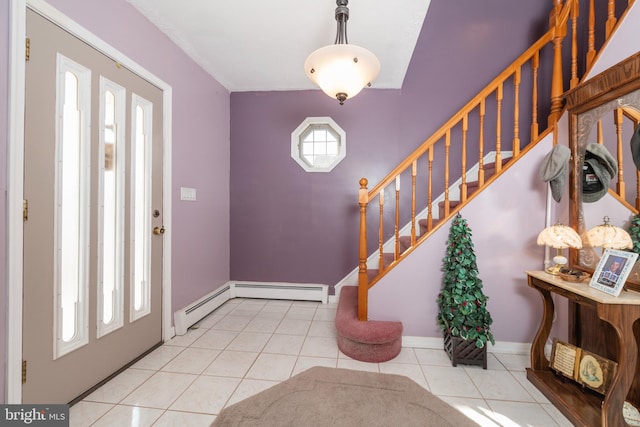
point(596, 372)
point(565, 358)
point(612, 271)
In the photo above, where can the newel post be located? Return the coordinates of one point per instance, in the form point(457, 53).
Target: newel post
point(557, 86)
point(363, 279)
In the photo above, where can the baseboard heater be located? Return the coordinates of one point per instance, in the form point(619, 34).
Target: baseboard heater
point(186, 317)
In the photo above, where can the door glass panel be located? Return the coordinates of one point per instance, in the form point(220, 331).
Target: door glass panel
point(111, 215)
point(72, 210)
point(141, 202)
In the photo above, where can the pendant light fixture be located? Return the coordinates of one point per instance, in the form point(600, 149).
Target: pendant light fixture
point(342, 70)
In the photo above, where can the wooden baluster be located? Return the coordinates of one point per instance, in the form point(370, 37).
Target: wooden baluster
point(481, 145)
point(591, 49)
point(535, 65)
point(574, 44)
point(429, 188)
point(498, 128)
point(381, 265)
point(516, 113)
point(463, 185)
point(599, 133)
point(557, 86)
point(413, 202)
point(611, 18)
point(618, 120)
point(363, 279)
point(397, 231)
point(447, 146)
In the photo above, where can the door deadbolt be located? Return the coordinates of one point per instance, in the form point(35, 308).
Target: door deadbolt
point(156, 213)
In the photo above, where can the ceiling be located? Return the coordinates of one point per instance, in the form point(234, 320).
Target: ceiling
point(259, 45)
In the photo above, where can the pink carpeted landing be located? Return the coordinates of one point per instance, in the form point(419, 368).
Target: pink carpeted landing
point(343, 398)
point(368, 341)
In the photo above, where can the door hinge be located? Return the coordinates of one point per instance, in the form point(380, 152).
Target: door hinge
point(24, 371)
point(25, 210)
point(27, 48)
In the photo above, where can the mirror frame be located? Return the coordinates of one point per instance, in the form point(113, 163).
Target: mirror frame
point(588, 98)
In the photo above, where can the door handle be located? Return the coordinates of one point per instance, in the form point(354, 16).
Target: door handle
point(158, 230)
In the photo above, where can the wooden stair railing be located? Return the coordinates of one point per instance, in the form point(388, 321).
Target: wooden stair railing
point(478, 132)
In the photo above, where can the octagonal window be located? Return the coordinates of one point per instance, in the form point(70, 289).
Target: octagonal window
point(318, 144)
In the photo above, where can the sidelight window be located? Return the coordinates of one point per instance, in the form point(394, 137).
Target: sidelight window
point(71, 276)
point(141, 207)
point(111, 208)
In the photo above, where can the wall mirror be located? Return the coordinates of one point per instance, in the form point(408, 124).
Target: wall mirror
point(605, 109)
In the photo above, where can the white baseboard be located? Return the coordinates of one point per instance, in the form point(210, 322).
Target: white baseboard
point(438, 344)
point(187, 316)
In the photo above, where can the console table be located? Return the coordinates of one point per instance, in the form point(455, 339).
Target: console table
point(583, 407)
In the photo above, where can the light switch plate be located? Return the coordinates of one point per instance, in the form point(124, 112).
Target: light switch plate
point(188, 194)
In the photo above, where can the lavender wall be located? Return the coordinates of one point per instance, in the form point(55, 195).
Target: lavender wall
point(289, 225)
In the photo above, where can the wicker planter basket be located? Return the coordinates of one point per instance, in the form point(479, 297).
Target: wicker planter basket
point(465, 352)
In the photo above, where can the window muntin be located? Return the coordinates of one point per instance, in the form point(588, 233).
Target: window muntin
point(318, 144)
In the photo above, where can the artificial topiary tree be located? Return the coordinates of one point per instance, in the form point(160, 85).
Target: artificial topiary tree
point(634, 232)
point(462, 304)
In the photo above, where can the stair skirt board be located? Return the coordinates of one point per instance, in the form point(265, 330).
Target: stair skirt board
point(186, 317)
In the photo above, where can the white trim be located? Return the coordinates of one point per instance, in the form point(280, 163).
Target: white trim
point(502, 347)
point(315, 122)
point(281, 290)
point(15, 194)
point(15, 169)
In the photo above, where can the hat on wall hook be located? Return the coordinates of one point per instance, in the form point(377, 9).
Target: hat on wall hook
point(554, 169)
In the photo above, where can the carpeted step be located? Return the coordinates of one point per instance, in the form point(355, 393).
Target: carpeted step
point(423, 223)
point(367, 341)
point(452, 205)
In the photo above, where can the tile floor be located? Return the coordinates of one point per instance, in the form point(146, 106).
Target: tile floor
point(248, 345)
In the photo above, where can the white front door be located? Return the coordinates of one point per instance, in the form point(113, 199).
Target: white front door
point(93, 174)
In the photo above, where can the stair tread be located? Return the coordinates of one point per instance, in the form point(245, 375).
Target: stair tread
point(369, 341)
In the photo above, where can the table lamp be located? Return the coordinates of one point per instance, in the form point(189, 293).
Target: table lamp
point(559, 237)
point(609, 236)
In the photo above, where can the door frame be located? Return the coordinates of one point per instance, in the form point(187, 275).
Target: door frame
point(15, 169)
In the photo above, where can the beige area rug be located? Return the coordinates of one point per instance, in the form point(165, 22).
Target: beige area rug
point(343, 398)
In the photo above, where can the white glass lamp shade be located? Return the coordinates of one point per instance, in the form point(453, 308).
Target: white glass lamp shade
point(560, 237)
point(342, 70)
point(608, 236)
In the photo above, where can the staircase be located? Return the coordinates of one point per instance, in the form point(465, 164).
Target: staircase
point(482, 126)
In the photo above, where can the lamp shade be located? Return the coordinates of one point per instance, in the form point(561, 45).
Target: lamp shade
point(560, 237)
point(609, 236)
point(342, 70)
